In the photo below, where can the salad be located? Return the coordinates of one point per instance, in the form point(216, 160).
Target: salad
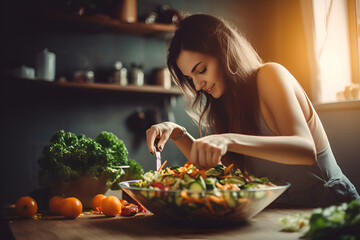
point(189, 177)
point(187, 191)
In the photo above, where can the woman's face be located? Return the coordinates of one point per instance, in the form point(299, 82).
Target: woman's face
point(203, 70)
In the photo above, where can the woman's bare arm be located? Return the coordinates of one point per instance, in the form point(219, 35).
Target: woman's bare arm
point(280, 106)
point(293, 143)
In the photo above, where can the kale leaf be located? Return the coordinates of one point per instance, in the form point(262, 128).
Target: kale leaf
point(69, 156)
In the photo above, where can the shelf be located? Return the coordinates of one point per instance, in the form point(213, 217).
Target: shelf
point(105, 23)
point(149, 89)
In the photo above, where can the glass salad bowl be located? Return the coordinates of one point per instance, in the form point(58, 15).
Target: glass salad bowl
point(205, 206)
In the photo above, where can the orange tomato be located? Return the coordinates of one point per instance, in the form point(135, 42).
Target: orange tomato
point(26, 207)
point(96, 202)
point(111, 206)
point(71, 207)
point(55, 204)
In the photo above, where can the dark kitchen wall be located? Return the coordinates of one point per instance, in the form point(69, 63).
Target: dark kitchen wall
point(30, 115)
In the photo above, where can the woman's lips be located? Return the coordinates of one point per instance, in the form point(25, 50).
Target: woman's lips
point(210, 89)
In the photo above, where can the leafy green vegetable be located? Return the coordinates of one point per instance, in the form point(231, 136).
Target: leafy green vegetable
point(70, 156)
point(294, 223)
point(334, 222)
point(134, 172)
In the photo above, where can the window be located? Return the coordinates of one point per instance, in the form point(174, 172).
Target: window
point(352, 90)
point(332, 31)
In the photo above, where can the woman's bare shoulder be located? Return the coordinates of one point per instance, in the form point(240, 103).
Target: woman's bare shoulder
point(273, 76)
point(277, 85)
point(272, 70)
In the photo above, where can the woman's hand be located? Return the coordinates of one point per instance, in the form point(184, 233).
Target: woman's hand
point(207, 151)
point(160, 132)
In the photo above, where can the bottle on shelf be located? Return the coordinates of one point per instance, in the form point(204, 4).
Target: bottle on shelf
point(46, 65)
point(120, 74)
point(137, 75)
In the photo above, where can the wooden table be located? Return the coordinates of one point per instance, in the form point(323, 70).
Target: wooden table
point(96, 226)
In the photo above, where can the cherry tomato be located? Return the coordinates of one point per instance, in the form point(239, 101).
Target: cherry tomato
point(111, 206)
point(123, 202)
point(55, 204)
point(96, 202)
point(71, 208)
point(26, 207)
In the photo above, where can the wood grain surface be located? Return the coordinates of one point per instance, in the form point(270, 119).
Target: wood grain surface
point(97, 226)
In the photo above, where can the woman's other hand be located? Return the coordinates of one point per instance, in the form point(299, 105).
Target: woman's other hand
point(207, 151)
point(161, 131)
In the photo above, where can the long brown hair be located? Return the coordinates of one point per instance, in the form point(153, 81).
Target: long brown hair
point(236, 111)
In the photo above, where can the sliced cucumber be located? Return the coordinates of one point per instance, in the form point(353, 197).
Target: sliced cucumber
point(214, 172)
point(188, 177)
point(230, 200)
point(168, 180)
point(239, 182)
point(187, 180)
point(202, 181)
point(197, 185)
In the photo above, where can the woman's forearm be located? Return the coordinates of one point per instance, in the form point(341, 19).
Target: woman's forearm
point(281, 149)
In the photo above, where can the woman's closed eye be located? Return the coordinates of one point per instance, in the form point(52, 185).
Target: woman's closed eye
point(203, 71)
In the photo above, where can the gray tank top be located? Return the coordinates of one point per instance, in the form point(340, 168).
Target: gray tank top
point(319, 185)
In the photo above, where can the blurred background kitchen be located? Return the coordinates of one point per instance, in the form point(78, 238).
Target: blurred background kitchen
point(88, 66)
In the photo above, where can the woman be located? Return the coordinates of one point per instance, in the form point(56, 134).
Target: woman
point(259, 117)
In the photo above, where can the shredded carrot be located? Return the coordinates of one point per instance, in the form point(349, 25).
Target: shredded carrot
point(202, 172)
point(219, 185)
point(208, 204)
point(229, 176)
point(195, 173)
point(195, 200)
point(188, 199)
point(228, 168)
point(170, 171)
point(228, 187)
point(189, 167)
point(217, 200)
point(162, 166)
point(184, 195)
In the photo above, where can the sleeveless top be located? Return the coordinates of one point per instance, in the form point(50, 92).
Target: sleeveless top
point(319, 185)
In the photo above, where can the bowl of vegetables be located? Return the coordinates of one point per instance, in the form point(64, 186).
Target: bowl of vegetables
point(216, 195)
point(78, 166)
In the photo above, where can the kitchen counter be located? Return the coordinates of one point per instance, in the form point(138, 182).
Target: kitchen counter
point(96, 226)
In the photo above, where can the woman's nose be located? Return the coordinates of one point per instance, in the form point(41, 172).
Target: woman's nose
point(199, 84)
